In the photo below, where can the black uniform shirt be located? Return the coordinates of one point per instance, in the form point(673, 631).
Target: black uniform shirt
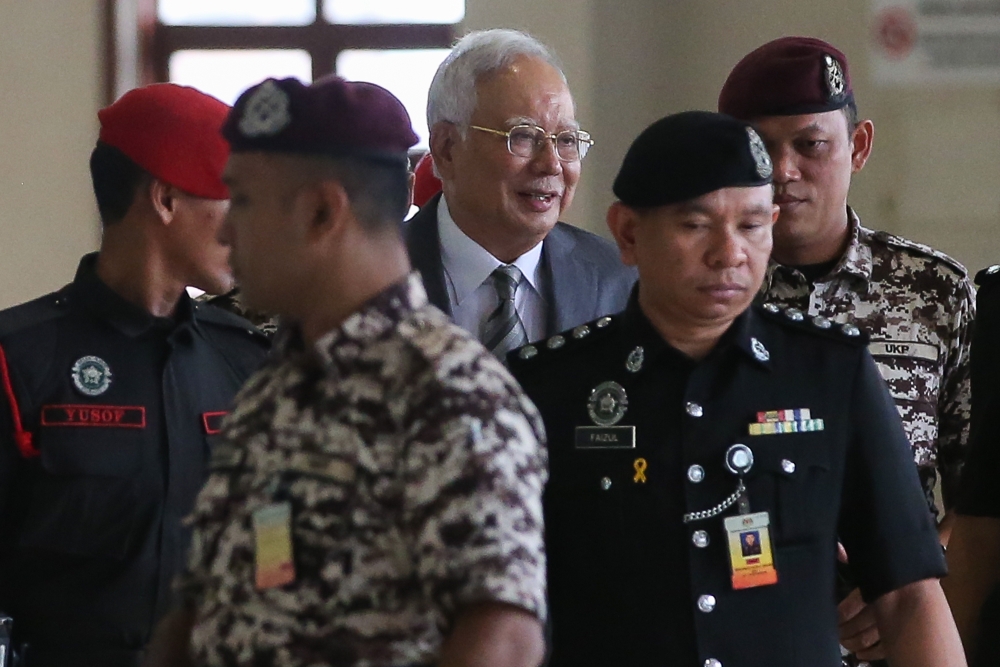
point(107, 416)
point(981, 475)
point(629, 582)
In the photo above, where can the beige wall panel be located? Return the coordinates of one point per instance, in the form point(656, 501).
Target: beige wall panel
point(51, 82)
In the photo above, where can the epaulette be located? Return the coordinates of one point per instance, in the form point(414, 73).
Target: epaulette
point(210, 314)
point(923, 250)
point(43, 309)
point(988, 277)
point(557, 346)
point(814, 324)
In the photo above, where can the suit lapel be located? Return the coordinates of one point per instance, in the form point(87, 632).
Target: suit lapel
point(572, 291)
point(424, 245)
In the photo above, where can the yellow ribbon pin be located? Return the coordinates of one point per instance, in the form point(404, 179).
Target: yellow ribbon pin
point(640, 471)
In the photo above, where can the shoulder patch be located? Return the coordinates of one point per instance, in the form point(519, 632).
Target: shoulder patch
point(922, 250)
point(814, 324)
point(555, 346)
point(989, 276)
point(26, 315)
point(207, 313)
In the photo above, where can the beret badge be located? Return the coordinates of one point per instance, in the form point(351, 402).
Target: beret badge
point(759, 152)
point(835, 82)
point(266, 112)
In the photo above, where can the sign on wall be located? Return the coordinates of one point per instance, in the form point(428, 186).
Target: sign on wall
point(920, 41)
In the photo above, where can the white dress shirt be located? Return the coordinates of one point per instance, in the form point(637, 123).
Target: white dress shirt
point(467, 268)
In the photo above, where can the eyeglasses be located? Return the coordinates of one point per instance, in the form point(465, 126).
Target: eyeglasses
point(528, 140)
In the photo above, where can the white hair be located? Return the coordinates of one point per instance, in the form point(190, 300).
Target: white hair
point(452, 95)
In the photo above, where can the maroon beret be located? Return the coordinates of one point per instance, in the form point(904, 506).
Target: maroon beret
point(787, 77)
point(172, 132)
point(331, 117)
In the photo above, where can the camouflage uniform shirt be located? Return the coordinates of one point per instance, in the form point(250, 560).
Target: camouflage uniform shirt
point(233, 302)
point(917, 305)
point(414, 467)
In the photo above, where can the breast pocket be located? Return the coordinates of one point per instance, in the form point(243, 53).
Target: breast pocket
point(84, 500)
point(791, 478)
point(915, 386)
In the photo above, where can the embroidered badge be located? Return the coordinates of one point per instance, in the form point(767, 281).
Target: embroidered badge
point(212, 421)
point(759, 153)
point(116, 416)
point(635, 358)
point(91, 376)
point(607, 404)
point(835, 82)
point(759, 351)
point(266, 112)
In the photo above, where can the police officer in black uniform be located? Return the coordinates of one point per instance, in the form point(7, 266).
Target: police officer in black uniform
point(973, 584)
point(112, 388)
point(691, 421)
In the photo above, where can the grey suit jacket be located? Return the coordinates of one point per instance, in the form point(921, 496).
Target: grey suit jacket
point(584, 274)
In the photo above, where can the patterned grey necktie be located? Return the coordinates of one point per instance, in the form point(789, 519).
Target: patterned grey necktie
point(504, 329)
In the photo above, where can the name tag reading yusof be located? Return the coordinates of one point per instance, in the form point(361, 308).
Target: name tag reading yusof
point(605, 437)
point(903, 348)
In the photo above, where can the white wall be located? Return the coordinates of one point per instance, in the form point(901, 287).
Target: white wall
point(50, 83)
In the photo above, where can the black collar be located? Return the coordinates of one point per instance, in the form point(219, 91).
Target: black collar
point(91, 293)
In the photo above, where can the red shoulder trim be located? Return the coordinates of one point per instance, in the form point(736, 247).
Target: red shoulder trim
point(21, 437)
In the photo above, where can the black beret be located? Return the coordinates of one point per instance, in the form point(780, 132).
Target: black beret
point(686, 155)
point(331, 117)
point(787, 77)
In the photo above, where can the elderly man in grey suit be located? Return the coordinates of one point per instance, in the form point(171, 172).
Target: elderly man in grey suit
point(508, 150)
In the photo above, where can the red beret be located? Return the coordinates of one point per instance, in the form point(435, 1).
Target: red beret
point(425, 183)
point(172, 132)
point(787, 77)
point(331, 117)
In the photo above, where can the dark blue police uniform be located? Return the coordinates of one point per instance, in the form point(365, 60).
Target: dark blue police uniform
point(107, 418)
point(633, 581)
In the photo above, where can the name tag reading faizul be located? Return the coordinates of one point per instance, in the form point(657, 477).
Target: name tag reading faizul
point(605, 437)
point(272, 529)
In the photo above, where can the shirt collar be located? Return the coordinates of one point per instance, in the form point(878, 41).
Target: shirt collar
point(856, 260)
point(375, 320)
point(745, 335)
point(130, 319)
point(468, 265)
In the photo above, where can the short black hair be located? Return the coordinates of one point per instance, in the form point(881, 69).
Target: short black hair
point(116, 178)
point(853, 118)
point(379, 190)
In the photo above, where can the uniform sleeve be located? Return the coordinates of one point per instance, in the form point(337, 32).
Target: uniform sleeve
point(979, 495)
point(889, 535)
point(955, 399)
point(475, 471)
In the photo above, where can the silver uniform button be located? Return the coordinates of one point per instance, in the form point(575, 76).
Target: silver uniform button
point(772, 308)
point(581, 331)
point(556, 342)
point(700, 539)
point(694, 409)
point(712, 662)
point(605, 483)
point(696, 473)
point(788, 466)
point(603, 322)
point(706, 603)
point(993, 269)
point(527, 352)
point(851, 330)
point(822, 322)
point(794, 314)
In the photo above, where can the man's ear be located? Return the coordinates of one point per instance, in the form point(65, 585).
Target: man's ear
point(326, 208)
point(444, 137)
point(862, 140)
point(622, 222)
point(163, 198)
